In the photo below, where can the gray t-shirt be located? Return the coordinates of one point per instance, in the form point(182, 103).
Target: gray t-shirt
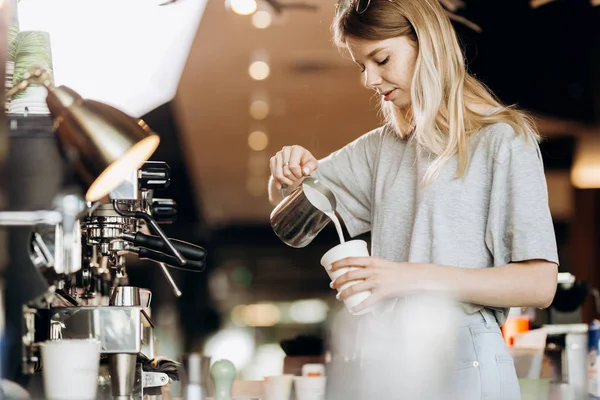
point(496, 213)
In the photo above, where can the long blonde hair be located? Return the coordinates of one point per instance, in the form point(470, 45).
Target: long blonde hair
point(441, 87)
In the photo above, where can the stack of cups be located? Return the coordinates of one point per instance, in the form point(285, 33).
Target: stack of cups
point(13, 31)
point(8, 82)
point(32, 50)
point(352, 248)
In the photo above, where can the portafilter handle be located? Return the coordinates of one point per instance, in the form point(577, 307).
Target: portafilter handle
point(190, 251)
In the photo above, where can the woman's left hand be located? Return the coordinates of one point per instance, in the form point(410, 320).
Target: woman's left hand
point(382, 277)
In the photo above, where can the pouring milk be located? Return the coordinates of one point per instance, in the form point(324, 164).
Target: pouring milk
point(322, 203)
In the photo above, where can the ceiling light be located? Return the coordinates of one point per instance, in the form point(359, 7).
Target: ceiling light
point(262, 19)
point(242, 7)
point(258, 140)
point(259, 109)
point(259, 65)
point(259, 70)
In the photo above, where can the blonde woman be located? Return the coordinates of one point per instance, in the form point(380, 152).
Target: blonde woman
point(451, 188)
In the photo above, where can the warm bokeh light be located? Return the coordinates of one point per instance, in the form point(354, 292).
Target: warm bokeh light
point(586, 176)
point(585, 173)
point(263, 314)
point(310, 311)
point(258, 140)
point(259, 109)
point(262, 19)
point(237, 315)
point(259, 70)
point(243, 7)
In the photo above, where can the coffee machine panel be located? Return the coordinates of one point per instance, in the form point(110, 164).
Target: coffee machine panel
point(82, 249)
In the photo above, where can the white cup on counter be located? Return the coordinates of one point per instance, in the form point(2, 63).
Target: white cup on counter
point(310, 387)
point(70, 369)
point(352, 248)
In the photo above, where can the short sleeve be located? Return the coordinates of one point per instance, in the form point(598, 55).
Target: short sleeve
point(349, 173)
point(519, 226)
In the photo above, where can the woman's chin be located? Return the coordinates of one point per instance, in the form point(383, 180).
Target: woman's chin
point(402, 104)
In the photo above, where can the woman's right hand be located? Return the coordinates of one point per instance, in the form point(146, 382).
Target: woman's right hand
point(291, 164)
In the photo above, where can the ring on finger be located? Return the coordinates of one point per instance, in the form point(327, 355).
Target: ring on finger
point(286, 163)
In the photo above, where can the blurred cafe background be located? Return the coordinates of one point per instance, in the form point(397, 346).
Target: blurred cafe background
point(225, 84)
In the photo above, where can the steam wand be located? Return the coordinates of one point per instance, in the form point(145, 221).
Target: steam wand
point(170, 279)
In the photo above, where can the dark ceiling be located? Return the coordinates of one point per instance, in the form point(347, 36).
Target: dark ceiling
point(545, 59)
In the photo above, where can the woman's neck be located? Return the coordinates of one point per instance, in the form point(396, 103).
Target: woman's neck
point(405, 120)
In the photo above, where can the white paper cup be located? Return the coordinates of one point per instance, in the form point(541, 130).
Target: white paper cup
point(352, 248)
point(310, 387)
point(278, 387)
point(70, 369)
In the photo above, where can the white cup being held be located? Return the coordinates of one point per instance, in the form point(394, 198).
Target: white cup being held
point(352, 248)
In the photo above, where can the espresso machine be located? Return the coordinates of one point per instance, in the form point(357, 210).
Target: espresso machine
point(82, 249)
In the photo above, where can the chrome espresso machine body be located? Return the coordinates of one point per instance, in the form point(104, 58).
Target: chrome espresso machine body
point(90, 294)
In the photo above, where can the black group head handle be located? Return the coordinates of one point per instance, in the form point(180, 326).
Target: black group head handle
point(190, 251)
point(190, 265)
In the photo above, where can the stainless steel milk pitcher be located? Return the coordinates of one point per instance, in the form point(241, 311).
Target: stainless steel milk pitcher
point(298, 219)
